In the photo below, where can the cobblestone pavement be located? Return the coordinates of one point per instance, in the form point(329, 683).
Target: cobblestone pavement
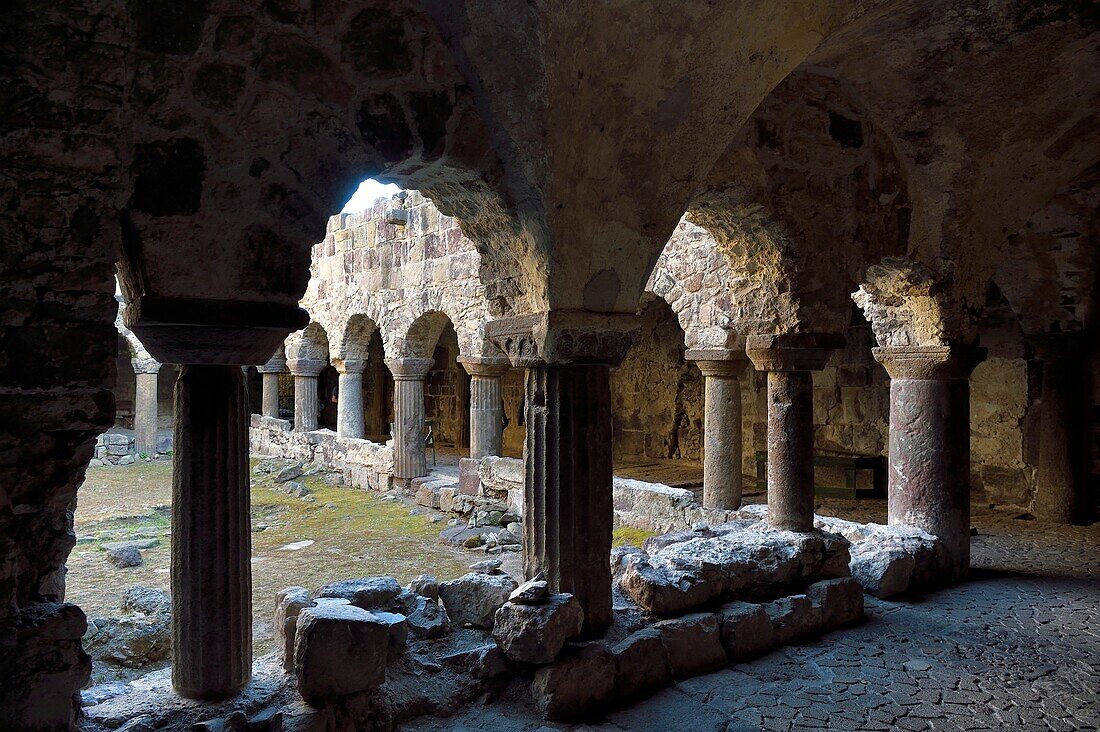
point(1015, 648)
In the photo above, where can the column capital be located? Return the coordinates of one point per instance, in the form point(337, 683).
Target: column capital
point(275, 365)
point(565, 337)
point(409, 368)
point(145, 365)
point(792, 351)
point(306, 366)
point(938, 362)
point(485, 365)
point(718, 362)
point(350, 365)
point(1056, 346)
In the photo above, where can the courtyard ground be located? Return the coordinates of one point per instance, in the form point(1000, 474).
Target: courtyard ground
point(1015, 648)
point(348, 533)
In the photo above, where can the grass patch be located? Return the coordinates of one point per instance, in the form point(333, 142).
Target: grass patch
point(628, 535)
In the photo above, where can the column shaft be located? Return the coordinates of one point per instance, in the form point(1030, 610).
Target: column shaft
point(567, 500)
point(722, 484)
point(305, 402)
point(929, 477)
point(1063, 435)
point(211, 541)
point(791, 450)
point(271, 395)
point(145, 413)
point(486, 414)
point(409, 460)
point(349, 405)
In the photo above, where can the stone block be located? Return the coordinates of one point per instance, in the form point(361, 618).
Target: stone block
point(536, 633)
point(288, 604)
point(474, 598)
point(794, 618)
point(883, 571)
point(693, 643)
point(576, 685)
point(427, 618)
point(125, 556)
point(426, 585)
point(747, 630)
point(469, 477)
point(641, 663)
point(447, 498)
point(485, 661)
point(339, 650)
point(840, 601)
point(368, 593)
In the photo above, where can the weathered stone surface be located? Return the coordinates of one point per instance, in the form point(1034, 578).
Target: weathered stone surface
point(529, 633)
point(576, 685)
point(290, 472)
point(747, 630)
point(367, 593)
point(889, 560)
point(641, 662)
point(123, 557)
point(427, 618)
point(339, 650)
point(426, 585)
point(288, 604)
point(485, 660)
point(744, 561)
point(840, 601)
point(474, 598)
point(146, 600)
point(693, 643)
point(794, 618)
point(531, 592)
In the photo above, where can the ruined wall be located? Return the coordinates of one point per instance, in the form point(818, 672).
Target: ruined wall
point(394, 262)
point(657, 397)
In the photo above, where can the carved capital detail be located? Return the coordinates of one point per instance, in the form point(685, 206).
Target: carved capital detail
point(350, 365)
point(929, 362)
point(409, 369)
point(485, 366)
point(306, 366)
point(565, 337)
point(792, 351)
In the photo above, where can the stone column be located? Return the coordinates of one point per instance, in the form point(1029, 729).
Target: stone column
point(145, 405)
point(567, 503)
point(1063, 427)
point(305, 392)
point(929, 477)
point(408, 415)
point(486, 405)
point(211, 540)
point(270, 373)
point(790, 360)
point(722, 438)
point(349, 401)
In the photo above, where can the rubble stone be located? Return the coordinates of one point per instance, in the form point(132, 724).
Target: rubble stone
point(529, 633)
point(339, 650)
point(794, 618)
point(747, 630)
point(840, 601)
point(474, 598)
point(693, 643)
point(641, 662)
point(576, 685)
point(367, 593)
point(288, 604)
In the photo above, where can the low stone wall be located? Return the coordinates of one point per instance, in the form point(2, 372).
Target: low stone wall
point(365, 464)
point(117, 448)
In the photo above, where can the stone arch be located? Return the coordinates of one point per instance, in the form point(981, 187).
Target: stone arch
point(692, 276)
point(309, 344)
point(806, 195)
point(908, 306)
point(354, 338)
point(422, 335)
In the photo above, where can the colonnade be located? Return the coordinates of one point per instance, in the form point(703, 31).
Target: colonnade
point(568, 484)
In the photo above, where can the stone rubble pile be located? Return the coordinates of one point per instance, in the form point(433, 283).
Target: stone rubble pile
point(140, 636)
point(118, 448)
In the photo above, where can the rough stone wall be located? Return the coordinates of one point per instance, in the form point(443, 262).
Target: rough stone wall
point(445, 394)
point(394, 263)
point(657, 397)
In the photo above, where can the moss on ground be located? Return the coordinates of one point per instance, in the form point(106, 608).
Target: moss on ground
point(625, 535)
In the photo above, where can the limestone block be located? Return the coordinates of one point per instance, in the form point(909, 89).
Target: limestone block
point(693, 643)
point(883, 571)
point(536, 633)
point(474, 598)
point(288, 604)
point(794, 618)
point(576, 685)
point(747, 630)
point(743, 560)
point(290, 472)
point(368, 593)
point(840, 601)
point(641, 663)
point(339, 650)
